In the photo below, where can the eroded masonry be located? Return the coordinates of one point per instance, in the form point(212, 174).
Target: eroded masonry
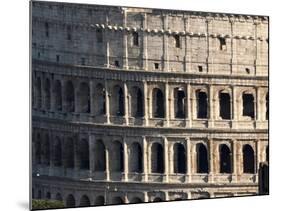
point(137, 105)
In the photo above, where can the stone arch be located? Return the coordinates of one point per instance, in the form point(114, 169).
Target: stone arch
point(136, 200)
point(47, 94)
point(57, 95)
point(46, 150)
point(179, 158)
point(117, 157)
point(83, 154)
point(100, 99)
point(202, 104)
point(117, 200)
point(248, 159)
point(157, 158)
point(69, 153)
point(38, 149)
point(70, 201)
point(158, 107)
point(117, 105)
point(99, 154)
point(69, 94)
point(84, 98)
point(248, 104)
point(38, 92)
point(225, 159)
point(135, 158)
point(57, 157)
point(58, 197)
point(225, 105)
point(137, 102)
point(99, 201)
point(85, 201)
point(179, 102)
point(202, 158)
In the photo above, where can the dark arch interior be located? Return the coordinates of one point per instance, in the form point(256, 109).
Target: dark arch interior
point(99, 154)
point(225, 106)
point(69, 97)
point(202, 105)
point(180, 103)
point(69, 153)
point(136, 158)
point(157, 158)
point(84, 98)
point(58, 95)
point(248, 105)
point(117, 157)
point(83, 148)
point(70, 201)
point(84, 201)
point(179, 159)
point(202, 159)
point(99, 201)
point(225, 159)
point(248, 159)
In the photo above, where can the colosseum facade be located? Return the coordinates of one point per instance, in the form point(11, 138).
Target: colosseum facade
point(138, 105)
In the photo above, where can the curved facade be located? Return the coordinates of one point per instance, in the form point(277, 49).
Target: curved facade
point(137, 105)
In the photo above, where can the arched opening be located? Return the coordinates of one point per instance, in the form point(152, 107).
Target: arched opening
point(157, 158)
point(58, 197)
point(136, 200)
point(225, 159)
point(267, 106)
point(83, 154)
point(99, 201)
point(118, 101)
point(99, 153)
point(157, 199)
point(179, 158)
point(46, 151)
point(179, 105)
point(69, 97)
point(225, 106)
point(69, 153)
point(38, 92)
point(267, 154)
point(57, 153)
point(135, 39)
point(117, 157)
point(202, 105)
point(58, 95)
point(117, 200)
point(70, 201)
point(100, 99)
point(158, 103)
point(248, 159)
point(84, 98)
point(135, 161)
point(137, 102)
point(47, 92)
point(248, 105)
point(38, 150)
point(202, 158)
point(85, 201)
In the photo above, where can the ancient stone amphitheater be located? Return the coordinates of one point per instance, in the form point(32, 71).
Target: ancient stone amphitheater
point(138, 105)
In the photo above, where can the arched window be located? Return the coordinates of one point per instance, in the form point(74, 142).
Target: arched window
point(117, 157)
point(58, 197)
point(118, 101)
point(179, 158)
point(69, 97)
point(47, 92)
point(99, 201)
point(100, 99)
point(157, 158)
point(38, 150)
point(38, 92)
point(117, 200)
point(137, 102)
point(202, 105)
point(58, 95)
point(46, 151)
point(202, 158)
point(135, 161)
point(69, 153)
point(179, 104)
point(136, 200)
point(84, 201)
point(135, 39)
point(99, 153)
point(225, 159)
point(248, 159)
point(57, 153)
point(84, 98)
point(177, 41)
point(83, 154)
point(248, 105)
point(158, 103)
point(225, 106)
point(70, 201)
point(267, 106)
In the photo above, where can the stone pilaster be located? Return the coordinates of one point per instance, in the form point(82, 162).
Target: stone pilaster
point(166, 159)
point(125, 42)
point(145, 158)
point(107, 102)
point(144, 43)
point(167, 108)
point(126, 103)
point(145, 103)
point(126, 161)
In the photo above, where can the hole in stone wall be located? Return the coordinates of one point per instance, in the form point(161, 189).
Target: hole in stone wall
point(47, 29)
point(247, 70)
point(69, 37)
point(116, 63)
point(135, 39)
point(222, 44)
point(200, 68)
point(177, 41)
point(156, 66)
point(58, 58)
point(248, 105)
